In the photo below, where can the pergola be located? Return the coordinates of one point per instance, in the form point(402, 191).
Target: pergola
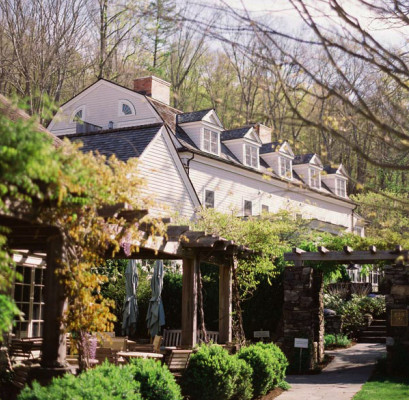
point(303, 295)
point(180, 242)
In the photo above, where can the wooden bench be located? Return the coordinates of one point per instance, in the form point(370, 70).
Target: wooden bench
point(106, 353)
point(172, 337)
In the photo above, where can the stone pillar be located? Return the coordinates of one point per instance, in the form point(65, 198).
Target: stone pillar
point(54, 345)
point(225, 304)
point(397, 315)
point(189, 302)
point(303, 316)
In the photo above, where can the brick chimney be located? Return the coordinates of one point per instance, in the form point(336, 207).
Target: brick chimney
point(154, 87)
point(264, 132)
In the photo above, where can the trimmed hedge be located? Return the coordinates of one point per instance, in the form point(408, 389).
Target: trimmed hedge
point(157, 382)
point(106, 382)
point(268, 364)
point(213, 374)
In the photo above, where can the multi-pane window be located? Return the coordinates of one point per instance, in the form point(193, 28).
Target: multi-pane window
point(285, 168)
point(251, 156)
point(210, 141)
point(248, 208)
point(340, 187)
point(209, 199)
point(315, 180)
point(126, 109)
point(264, 208)
point(28, 295)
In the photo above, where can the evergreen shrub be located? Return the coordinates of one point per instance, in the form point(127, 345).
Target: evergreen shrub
point(213, 374)
point(156, 381)
point(105, 382)
point(268, 363)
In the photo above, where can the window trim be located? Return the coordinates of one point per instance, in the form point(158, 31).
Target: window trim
point(129, 104)
point(311, 171)
point(217, 135)
point(341, 193)
point(251, 148)
point(265, 208)
point(76, 111)
point(290, 161)
point(204, 198)
point(244, 208)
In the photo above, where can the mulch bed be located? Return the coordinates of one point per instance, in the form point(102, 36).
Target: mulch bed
point(273, 394)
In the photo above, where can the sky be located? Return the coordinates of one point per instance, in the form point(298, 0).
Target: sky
point(283, 10)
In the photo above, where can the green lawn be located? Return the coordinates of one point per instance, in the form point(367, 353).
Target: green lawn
point(381, 388)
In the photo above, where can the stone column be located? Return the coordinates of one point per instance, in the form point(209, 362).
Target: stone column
point(303, 315)
point(189, 301)
point(54, 345)
point(225, 304)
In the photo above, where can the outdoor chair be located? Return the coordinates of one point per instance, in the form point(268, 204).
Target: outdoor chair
point(178, 361)
point(20, 376)
point(213, 336)
point(106, 353)
point(157, 340)
point(171, 337)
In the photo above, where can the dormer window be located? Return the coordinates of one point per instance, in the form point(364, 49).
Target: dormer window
point(251, 156)
point(285, 167)
point(315, 178)
point(340, 187)
point(125, 108)
point(211, 141)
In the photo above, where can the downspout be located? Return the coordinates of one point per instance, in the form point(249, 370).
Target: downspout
point(188, 163)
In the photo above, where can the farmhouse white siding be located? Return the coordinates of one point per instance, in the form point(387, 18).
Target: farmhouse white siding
point(164, 179)
point(233, 185)
point(101, 104)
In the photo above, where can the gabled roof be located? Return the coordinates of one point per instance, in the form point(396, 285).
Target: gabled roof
point(232, 134)
point(340, 170)
point(310, 158)
point(269, 147)
point(125, 143)
point(167, 113)
point(192, 116)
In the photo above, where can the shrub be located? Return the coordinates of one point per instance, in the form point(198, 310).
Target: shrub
point(212, 374)
point(375, 306)
point(336, 341)
point(106, 382)
point(157, 382)
point(268, 363)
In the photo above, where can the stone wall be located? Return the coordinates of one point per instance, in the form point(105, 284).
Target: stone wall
point(397, 308)
point(303, 316)
point(333, 324)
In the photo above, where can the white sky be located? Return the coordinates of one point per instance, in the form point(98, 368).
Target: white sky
point(284, 10)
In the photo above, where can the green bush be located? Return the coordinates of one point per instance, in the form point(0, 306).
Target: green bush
point(375, 306)
point(212, 374)
point(268, 363)
point(106, 382)
point(336, 341)
point(157, 382)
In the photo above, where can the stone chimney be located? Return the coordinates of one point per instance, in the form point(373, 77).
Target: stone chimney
point(264, 132)
point(154, 87)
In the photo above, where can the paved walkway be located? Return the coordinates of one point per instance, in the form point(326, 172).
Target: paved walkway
point(341, 379)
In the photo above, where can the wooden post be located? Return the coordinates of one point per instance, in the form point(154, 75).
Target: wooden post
point(54, 345)
point(225, 304)
point(189, 302)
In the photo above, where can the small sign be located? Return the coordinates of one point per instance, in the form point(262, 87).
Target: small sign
point(399, 317)
point(301, 343)
point(261, 334)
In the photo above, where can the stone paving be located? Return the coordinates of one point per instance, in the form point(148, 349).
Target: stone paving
point(341, 379)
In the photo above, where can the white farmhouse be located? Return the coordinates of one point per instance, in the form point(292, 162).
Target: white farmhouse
point(190, 160)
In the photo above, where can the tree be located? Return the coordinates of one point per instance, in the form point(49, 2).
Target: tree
point(66, 188)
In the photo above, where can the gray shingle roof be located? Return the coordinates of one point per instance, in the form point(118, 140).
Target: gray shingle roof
point(234, 133)
point(269, 147)
point(125, 143)
point(330, 170)
point(303, 158)
point(192, 116)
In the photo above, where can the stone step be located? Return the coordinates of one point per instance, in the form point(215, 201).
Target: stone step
point(376, 328)
point(372, 339)
point(373, 333)
point(378, 322)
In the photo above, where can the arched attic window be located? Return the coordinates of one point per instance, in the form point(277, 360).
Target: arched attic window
point(125, 108)
point(79, 114)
